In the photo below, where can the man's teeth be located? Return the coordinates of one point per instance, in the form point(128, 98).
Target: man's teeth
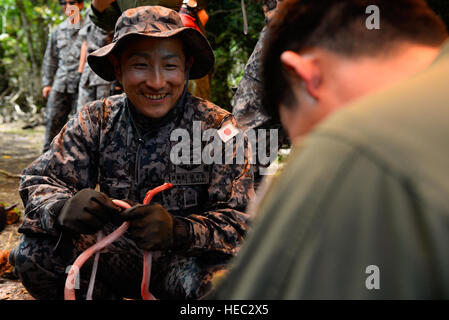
point(155, 96)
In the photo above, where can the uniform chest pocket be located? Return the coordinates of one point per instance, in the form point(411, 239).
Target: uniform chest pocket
point(183, 200)
point(75, 49)
point(115, 188)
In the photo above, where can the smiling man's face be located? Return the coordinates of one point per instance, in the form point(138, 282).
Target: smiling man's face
point(152, 72)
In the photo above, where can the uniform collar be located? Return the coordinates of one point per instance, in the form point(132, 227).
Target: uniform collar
point(144, 124)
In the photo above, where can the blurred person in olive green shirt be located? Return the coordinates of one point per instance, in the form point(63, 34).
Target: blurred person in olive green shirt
point(361, 209)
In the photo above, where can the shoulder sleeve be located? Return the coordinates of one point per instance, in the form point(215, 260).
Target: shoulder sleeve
point(222, 227)
point(50, 61)
point(338, 224)
point(69, 166)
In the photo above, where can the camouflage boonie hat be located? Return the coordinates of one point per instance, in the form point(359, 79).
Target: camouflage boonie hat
point(156, 22)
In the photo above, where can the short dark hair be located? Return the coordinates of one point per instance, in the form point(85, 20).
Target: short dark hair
point(339, 26)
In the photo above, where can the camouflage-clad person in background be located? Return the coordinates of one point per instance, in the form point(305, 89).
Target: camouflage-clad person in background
point(91, 86)
point(106, 12)
point(60, 76)
point(124, 143)
point(247, 104)
point(247, 99)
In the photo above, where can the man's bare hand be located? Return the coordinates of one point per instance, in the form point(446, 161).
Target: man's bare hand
point(101, 5)
point(46, 91)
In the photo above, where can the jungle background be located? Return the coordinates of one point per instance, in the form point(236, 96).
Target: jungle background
point(25, 27)
point(24, 30)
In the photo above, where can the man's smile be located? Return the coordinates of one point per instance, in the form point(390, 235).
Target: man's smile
point(156, 97)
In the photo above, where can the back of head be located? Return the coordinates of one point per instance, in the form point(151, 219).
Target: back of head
point(341, 27)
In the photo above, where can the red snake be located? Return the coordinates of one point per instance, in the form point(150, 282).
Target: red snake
point(69, 290)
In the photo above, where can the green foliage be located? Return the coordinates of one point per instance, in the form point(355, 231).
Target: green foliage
point(231, 46)
point(25, 26)
point(24, 29)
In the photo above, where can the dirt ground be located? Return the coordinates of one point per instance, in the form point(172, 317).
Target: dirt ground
point(18, 148)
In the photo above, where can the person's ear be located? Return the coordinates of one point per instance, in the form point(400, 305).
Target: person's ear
point(116, 64)
point(303, 68)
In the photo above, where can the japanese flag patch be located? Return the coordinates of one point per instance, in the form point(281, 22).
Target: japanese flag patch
point(228, 132)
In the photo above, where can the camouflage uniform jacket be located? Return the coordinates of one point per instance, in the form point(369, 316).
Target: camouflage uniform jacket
point(247, 104)
point(61, 59)
point(96, 38)
point(104, 141)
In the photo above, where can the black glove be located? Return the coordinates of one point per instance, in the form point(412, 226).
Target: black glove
point(87, 212)
point(153, 228)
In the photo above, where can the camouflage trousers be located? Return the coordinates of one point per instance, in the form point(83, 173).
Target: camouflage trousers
point(92, 93)
point(42, 265)
point(59, 106)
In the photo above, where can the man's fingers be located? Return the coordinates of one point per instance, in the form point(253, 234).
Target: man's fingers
point(46, 91)
point(111, 206)
point(133, 213)
point(96, 209)
point(105, 203)
point(84, 227)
